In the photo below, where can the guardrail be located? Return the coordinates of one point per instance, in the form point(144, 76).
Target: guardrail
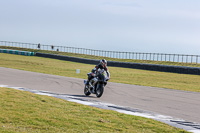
point(18, 52)
point(195, 59)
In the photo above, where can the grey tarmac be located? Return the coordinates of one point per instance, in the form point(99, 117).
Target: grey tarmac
point(179, 104)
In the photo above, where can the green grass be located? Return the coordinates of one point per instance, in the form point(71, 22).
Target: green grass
point(25, 112)
point(110, 59)
point(120, 75)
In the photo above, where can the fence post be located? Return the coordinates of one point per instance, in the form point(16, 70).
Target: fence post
point(146, 56)
point(136, 55)
point(182, 58)
point(178, 57)
point(150, 57)
point(191, 58)
point(157, 56)
point(153, 56)
point(186, 58)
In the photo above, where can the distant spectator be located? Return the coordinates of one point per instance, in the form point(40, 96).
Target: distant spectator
point(52, 47)
point(39, 46)
point(57, 49)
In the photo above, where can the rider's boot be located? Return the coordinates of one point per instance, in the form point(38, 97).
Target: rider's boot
point(90, 84)
point(93, 90)
point(87, 82)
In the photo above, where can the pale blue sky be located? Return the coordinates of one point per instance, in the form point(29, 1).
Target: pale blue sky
point(161, 26)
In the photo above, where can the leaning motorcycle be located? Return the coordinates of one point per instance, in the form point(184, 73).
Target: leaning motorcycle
point(98, 83)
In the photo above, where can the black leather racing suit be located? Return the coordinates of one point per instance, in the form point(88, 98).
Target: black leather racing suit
point(95, 70)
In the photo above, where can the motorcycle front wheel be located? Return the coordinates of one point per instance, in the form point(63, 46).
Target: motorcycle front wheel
point(99, 91)
point(86, 91)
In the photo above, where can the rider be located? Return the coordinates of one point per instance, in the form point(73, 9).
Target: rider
point(102, 66)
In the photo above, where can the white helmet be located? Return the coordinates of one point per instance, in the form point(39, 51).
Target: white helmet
point(103, 62)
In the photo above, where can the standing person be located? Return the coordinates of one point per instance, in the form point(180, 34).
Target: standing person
point(39, 46)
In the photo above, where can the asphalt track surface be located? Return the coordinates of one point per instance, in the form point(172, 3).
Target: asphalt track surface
point(179, 104)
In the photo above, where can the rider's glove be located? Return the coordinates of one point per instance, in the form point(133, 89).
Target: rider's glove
point(107, 79)
point(93, 74)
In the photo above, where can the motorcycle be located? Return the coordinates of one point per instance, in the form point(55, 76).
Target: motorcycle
point(96, 85)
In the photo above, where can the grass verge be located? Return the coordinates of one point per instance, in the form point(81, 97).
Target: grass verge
point(26, 112)
point(120, 75)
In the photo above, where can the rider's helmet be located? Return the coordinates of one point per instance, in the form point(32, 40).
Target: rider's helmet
point(103, 62)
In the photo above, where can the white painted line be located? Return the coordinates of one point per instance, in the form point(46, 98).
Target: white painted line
point(3, 86)
point(81, 102)
point(45, 94)
point(136, 113)
point(194, 131)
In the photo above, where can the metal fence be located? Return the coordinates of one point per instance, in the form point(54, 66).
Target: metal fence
point(195, 59)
